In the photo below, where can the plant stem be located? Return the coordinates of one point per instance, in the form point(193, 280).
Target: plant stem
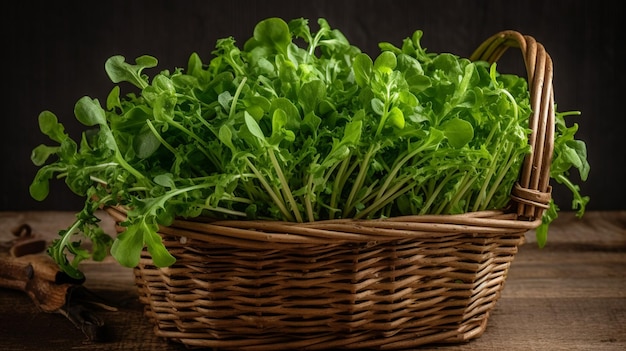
point(433, 195)
point(285, 186)
point(358, 182)
point(338, 185)
point(270, 191)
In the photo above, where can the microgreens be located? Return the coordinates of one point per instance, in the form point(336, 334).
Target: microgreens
point(295, 132)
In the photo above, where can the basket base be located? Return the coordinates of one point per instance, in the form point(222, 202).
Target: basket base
point(365, 341)
point(376, 295)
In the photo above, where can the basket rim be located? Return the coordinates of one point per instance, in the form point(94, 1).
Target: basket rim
point(490, 223)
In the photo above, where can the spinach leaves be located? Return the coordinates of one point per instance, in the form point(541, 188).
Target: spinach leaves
point(293, 125)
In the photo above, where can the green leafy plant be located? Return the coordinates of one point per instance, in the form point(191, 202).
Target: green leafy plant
point(297, 126)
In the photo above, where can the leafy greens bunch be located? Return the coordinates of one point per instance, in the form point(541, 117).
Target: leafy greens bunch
point(296, 126)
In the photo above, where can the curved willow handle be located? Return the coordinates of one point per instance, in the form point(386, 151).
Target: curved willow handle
point(532, 192)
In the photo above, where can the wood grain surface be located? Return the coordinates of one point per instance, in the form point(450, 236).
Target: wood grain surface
point(570, 295)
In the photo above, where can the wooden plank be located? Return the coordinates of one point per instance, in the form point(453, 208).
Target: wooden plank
point(571, 295)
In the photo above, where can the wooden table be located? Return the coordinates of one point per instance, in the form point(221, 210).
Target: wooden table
point(571, 295)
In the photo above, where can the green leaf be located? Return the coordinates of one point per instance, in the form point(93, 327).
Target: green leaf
point(41, 153)
point(541, 233)
point(287, 71)
point(40, 186)
point(386, 62)
point(50, 126)
point(132, 120)
point(378, 106)
point(226, 135)
point(146, 143)
point(254, 128)
point(273, 32)
point(166, 180)
point(300, 29)
point(194, 65)
point(291, 112)
point(571, 157)
point(89, 112)
point(225, 100)
point(279, 120)
point(312, 122)
point(121, 71)
point(113, 99)
point(396, 118)
point(311, 93)
point(101, 243)
point(459, 132)
point(128, 246)
point(159, 253)
point(580, 161)
point(362, 67)
point(352, 133)
point(407, 98)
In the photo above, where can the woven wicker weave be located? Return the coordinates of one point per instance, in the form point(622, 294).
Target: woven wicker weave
point(353, 284)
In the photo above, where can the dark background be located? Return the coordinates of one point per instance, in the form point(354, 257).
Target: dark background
point(54, 53)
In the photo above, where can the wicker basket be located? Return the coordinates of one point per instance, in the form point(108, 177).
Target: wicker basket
point(366, 284)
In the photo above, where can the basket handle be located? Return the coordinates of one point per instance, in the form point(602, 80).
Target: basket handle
point(532, 192)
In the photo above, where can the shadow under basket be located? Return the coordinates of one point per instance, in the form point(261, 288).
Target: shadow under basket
point(392, 283)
